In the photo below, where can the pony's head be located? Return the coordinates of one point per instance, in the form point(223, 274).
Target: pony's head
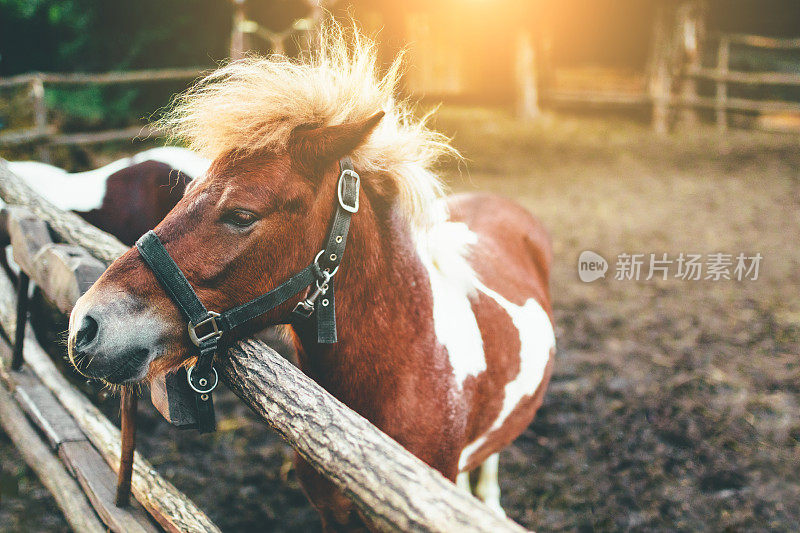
point(276, 130)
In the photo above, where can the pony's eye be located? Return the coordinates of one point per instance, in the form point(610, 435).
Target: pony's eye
point(239, 218)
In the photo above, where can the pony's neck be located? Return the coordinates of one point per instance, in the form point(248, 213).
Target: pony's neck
point(383, 300)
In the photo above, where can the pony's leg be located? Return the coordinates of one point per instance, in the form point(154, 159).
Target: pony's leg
point(488, 487)
point(462, 482)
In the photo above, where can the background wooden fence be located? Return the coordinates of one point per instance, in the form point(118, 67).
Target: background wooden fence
point(661, 91)
point(723, 77)
point(45, 135)
point(669, 87)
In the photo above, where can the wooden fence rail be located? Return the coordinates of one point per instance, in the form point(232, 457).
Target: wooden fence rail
point(49, 136)
point(103, 78)
point(391, 486)
point(759, 41)
point(749, 78)
point(675, 68)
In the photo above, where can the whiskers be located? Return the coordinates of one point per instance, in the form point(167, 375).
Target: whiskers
point(138, 388)
point(62, 338)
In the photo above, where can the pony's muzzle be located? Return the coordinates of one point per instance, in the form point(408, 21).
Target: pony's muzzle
point(114, 339)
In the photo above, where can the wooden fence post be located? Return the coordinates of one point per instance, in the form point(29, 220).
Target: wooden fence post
point(40, 118)
point(22, 319)
point(527, 82)
point(237, 34)
point(128, 406)
point(691, 28)
point(723, 57)
point(660, 81)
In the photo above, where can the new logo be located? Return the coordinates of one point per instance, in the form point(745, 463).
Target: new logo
point(591, 266)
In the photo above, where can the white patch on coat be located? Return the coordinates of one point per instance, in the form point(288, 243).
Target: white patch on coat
point(84, 191)
point(442, 251)
point(536, 339)
point(186, 161)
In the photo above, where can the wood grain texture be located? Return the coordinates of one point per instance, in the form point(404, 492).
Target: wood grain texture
point(68, 495)
point(30, 235)
point(43, 409)
point(64, 272)
point(99, 484)
point(36, 400)
point(8, 310)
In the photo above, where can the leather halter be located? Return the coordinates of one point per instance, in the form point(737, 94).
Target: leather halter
point(207, 327)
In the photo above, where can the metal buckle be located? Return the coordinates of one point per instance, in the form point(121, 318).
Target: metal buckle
point(340, 188)
point(215, 331)
point(305, 307)
point(197, 390)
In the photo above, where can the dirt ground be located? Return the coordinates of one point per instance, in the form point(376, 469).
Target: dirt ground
point(674, 404)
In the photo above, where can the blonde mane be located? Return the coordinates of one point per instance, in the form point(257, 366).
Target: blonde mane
point(255, 103)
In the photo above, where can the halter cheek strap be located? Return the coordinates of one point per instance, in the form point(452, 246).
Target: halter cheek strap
point(207, 327)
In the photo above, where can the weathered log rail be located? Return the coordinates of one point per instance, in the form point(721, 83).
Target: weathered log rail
point(388, 484)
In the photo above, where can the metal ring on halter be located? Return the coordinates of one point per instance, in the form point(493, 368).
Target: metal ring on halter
point(201, 391)
point(316, 262)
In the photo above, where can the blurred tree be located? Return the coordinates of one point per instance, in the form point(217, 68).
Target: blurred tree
point(41, 35)
point(101, 35)
point(98, 35)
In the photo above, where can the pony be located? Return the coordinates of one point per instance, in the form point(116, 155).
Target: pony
point(445, 330)
point(125, 198)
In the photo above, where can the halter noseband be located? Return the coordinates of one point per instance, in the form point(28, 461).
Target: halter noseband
point(207, 327)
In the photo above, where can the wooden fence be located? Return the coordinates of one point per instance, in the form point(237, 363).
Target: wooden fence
point(663, 87)
point(44, 135)
point(669, 85)
point(396, 490)
point(723, 77)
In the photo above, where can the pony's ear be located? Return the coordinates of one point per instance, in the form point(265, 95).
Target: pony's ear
point(316, 148)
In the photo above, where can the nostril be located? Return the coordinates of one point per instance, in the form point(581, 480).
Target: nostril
point(87, 333)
